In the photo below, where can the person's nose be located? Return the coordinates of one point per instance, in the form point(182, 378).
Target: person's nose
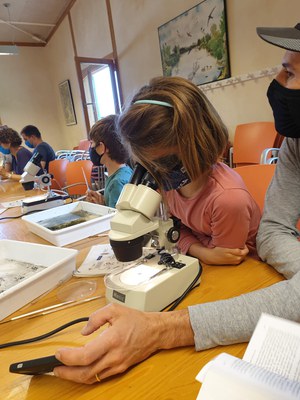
point(281, 77)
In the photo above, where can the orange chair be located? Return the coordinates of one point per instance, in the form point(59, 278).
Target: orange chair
point(84, 144)
point(257, 179)
point(249, 142)
point(77, 173)
point(57, 168)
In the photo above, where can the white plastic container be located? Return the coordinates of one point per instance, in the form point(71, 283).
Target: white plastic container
point(71, 234)
point(59, 263)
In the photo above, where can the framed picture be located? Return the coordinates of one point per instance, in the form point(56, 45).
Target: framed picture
point(67, 102)
point(194, 45)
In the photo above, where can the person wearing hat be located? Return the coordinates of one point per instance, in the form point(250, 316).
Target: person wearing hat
point(134, 335)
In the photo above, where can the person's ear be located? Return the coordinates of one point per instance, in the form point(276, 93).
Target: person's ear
point(105, 148)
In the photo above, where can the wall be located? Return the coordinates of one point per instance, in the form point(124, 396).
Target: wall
point(139, 56)
point(61, 66)
point(26, 93)
point(91, 29)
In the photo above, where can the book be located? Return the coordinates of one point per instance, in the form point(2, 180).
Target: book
point(269, 370)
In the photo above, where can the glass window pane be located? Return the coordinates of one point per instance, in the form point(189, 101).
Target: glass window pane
point(103, 92)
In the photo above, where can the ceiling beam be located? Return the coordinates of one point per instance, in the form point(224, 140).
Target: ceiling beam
point(68, 8)
point(26, 23)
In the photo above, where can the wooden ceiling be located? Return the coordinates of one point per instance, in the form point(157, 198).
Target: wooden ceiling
point(31, 22)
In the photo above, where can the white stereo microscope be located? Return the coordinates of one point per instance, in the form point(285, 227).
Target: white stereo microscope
point(43, 181)
point(163, 277)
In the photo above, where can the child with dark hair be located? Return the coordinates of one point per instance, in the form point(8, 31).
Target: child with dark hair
point(11, 141)
point(107, 149)
point(33, 139)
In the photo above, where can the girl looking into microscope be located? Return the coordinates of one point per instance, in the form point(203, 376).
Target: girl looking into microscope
point(172, 129)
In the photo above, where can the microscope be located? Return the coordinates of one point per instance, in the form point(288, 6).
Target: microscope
point(163, 276)
point(29, 178)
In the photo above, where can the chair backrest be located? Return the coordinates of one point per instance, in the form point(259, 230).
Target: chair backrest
point(73, 155)
point(84, 144)
point(57, 168)
point(250, 140)
point(257, 179)
point(76, 184)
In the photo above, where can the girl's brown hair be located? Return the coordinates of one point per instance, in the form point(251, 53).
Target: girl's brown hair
point(191, 126)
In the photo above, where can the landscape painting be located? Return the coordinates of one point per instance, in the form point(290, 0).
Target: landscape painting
point(194, 45)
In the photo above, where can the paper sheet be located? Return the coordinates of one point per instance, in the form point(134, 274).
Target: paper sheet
point(101, 261)
point(12, 204)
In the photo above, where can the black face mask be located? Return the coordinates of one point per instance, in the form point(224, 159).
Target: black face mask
point(94, 156)
point(176, 177)
point(285, 104)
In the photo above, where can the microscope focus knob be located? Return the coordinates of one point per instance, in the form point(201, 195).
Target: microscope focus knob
point(46, 179)
point(173, 235)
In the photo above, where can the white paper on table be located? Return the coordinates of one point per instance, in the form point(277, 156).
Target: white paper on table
point(11, 204)
point(101, 261)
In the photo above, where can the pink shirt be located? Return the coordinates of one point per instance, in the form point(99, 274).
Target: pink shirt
point(220, 214)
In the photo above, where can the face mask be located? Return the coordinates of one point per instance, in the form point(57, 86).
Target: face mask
point(176, 178)
point(28, 144)
point(285, 104)
point(94, 156)
point(4, 151)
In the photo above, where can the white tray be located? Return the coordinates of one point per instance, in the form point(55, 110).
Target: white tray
point(73, 233)
point(59, 263)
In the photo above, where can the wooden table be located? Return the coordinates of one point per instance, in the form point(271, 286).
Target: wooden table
point(167, 375)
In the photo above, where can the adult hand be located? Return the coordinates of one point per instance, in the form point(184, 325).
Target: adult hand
point(131, 337)
point(94, 197)
point(219, 255)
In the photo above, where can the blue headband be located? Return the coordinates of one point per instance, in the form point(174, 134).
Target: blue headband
point(157, 102)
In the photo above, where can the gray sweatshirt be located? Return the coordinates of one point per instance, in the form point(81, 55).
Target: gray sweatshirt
point(233, 321)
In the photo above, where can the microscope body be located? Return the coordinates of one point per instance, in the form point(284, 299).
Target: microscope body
point(137, 218)
point(30, 177)
point(152, 282)
point(43, 181)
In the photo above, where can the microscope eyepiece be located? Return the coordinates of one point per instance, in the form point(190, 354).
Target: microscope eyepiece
point(138, 173)
point(149, 181)
point(36, 159)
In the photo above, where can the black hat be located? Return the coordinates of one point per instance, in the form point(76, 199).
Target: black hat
point(287, 38)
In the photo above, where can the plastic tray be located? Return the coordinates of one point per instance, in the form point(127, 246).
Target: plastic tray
point(73, 233)
point(59, 263)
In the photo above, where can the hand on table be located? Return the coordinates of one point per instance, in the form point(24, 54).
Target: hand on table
point(131, 337)
point(218, 255)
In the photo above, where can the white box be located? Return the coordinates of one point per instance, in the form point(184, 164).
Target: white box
point(70, 234)
point(59, 263)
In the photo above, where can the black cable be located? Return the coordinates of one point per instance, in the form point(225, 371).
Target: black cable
point(45, 335)
point(188, 290)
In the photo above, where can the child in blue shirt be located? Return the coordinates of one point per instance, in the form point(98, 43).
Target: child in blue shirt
point(107, 149)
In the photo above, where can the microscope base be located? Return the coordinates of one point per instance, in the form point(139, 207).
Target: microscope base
point(35, 204)
point(148, 286)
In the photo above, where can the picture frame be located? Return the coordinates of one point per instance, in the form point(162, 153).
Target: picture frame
point(67, 102)
point(194, 45)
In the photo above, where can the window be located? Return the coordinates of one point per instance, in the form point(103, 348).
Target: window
point(99, 88)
